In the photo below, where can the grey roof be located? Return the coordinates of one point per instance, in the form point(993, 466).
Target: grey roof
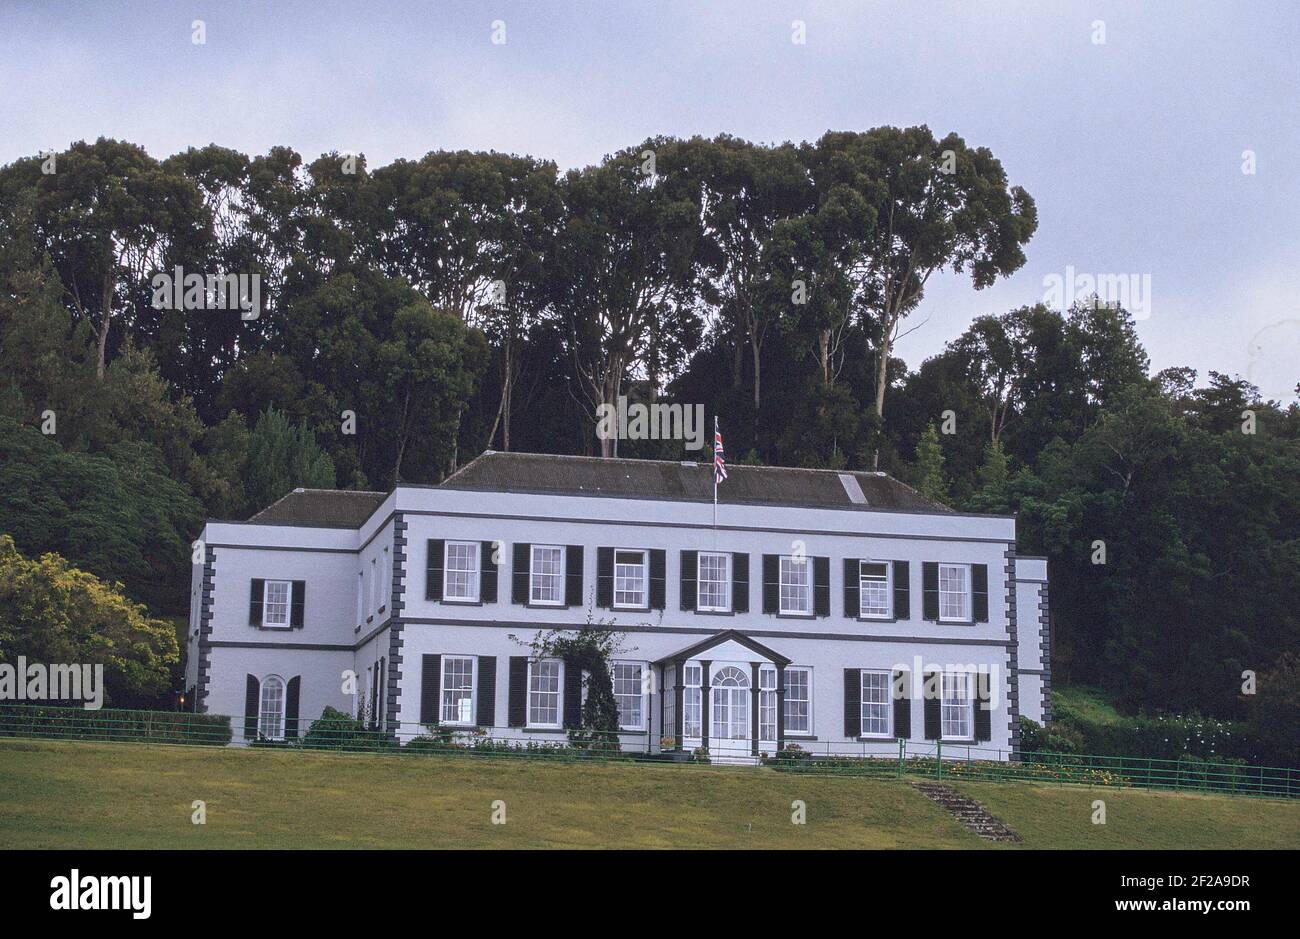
point(332, 508)
point(686, 481)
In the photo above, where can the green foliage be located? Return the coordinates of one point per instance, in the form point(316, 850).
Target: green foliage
point(1274, 715)
point(51, 612)
point(336, 730)
point(929, 478)
point(115, 724)
point(588, 649)
point(282, 457)
point(1159, 737)
point(119, 515)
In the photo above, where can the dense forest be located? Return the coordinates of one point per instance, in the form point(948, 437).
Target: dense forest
point(412, 315)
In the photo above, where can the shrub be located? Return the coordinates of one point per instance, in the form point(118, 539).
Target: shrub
point(115, 724)
point(337, 730)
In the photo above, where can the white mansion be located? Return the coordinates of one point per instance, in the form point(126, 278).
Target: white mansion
point(838, 610)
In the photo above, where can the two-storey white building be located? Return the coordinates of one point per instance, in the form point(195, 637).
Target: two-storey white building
point(837, 610)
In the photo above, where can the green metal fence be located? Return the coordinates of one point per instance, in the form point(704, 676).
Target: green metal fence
point(885, 758)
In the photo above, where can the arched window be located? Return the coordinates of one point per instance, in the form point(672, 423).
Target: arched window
point(270, 721)
point(730, 677)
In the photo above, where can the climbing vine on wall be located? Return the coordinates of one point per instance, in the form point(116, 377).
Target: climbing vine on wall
point(589, 650)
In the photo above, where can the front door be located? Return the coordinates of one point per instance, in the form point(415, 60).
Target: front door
point(729, 714)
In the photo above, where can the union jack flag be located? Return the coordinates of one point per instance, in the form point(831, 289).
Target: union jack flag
point(719, 458)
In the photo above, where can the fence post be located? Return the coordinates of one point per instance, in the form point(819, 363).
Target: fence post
point(901, 745)
point(938, 758)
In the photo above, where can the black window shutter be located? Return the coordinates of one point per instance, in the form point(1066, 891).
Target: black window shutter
point(852, 703)
point(519, 574)
point(291, 693)
point(433, 569)
point(771, 584)
point(430, 683)
point(822, 586)
point(252, 701)
point(573, 575)
point(902, 590)
point(658, 578)
point(487, 578)
point(255, 601)
point(930, 704)
point(930, 591)
point(903, 704)
point(852, 588)
point(690, 579)
point(605, 578)
point(979, 580)
point(487, 691)
point(517, 702)
point(381, 691)
point(983, 717)
point(572, 695)
point(740, 583)
point(298, 604)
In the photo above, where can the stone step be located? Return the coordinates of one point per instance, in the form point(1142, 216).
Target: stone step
point(972, 816)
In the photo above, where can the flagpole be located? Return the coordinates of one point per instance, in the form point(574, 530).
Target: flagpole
point(715, 474)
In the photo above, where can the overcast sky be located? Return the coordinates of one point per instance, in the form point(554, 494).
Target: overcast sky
point(1132, 148)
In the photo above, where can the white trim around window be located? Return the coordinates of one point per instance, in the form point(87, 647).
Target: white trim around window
point(957, 711)
point(545, 693)
point(692, 699)
point(460, 572)
point(877, 704)
point(628, 679)
point(713, 582)
point(546, 575)
point(767, 702)
point(277, 598)
point(875, 590)
point(955, 603)
point(459, 685)
point(798, 701)
point(631, 580)
point(270, 712)
point(796, 590)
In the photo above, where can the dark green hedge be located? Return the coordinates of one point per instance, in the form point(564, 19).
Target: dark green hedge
point(26, 720)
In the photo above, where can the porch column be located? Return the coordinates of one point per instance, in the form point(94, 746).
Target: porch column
point(780, 707)
point(706, 687)
point(754, 692)
point(678, 698)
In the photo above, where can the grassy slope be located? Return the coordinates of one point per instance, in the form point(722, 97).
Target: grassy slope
point(1061, 817)
point(1089, 703)
point(74, 795)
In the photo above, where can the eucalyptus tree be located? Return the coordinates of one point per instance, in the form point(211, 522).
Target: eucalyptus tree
point(624, 259)
point(938, 205)
point(108, 216)
point(745, 191)
point(469, 231)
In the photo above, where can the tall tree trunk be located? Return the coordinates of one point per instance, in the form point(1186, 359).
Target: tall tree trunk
point(882, 373)
point(502, 418)
point(755, 348)
point(106, 317)
point(609, 392)
point(401, 443)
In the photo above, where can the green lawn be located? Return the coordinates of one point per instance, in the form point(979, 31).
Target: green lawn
point(57, 794)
